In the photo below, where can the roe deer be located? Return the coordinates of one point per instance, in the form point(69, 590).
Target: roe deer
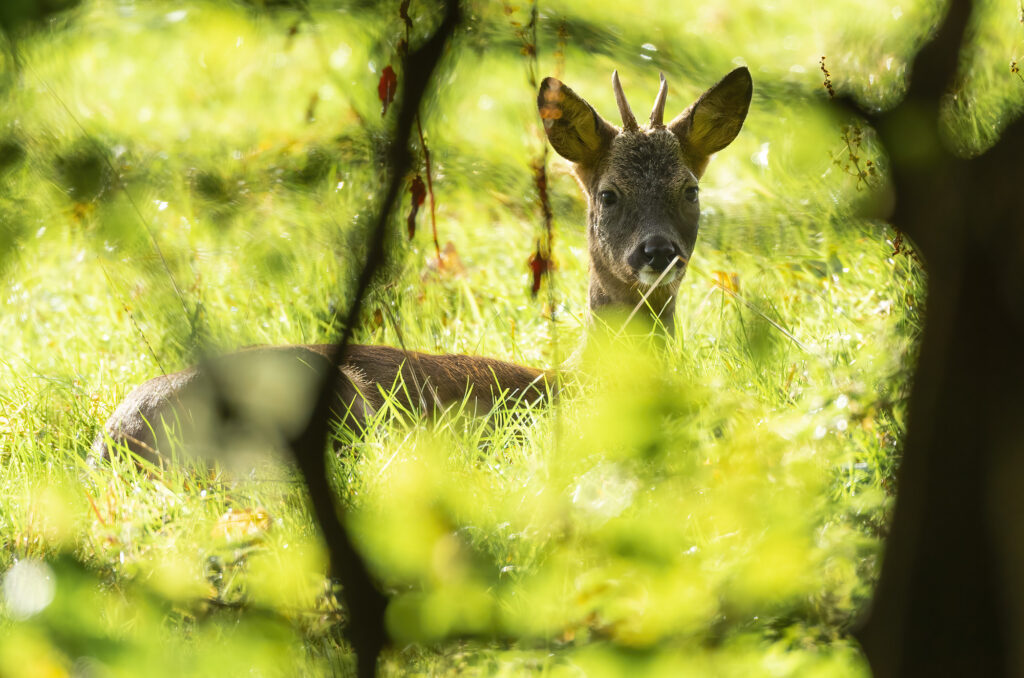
point(641, 186)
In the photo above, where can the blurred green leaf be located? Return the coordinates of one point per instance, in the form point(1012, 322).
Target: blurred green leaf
point(18, 14)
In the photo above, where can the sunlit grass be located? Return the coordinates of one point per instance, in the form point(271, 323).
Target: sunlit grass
point(713, 505)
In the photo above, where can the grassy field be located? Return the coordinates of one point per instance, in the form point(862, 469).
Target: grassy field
point(183, 178)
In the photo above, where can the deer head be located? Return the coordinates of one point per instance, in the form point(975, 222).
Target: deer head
point(642, 184)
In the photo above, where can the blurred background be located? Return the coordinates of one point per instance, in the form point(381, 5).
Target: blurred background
point(179, 178)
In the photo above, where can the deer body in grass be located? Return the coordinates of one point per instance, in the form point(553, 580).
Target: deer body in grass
point(641, 185)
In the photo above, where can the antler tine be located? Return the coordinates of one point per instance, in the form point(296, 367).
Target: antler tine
point(658, 114)
point(628, 121)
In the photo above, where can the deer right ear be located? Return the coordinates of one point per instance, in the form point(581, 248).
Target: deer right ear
point(574, 128)
point(714, 120)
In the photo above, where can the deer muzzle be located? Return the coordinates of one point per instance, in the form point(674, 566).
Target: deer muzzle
point(655, 256)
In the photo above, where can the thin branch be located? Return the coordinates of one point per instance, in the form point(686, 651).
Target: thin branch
point(430, 188)
point(365, 603)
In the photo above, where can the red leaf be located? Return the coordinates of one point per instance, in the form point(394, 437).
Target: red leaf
point(540, 266)
point(386, 88)
point(418, 191)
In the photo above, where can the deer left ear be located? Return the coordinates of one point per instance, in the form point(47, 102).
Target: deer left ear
point(713, 121)
point(574, 128)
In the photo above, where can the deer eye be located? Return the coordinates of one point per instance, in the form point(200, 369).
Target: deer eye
point(608, 198)
point(691, 193)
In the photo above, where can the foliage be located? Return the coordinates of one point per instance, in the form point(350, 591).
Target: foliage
point(183, 178)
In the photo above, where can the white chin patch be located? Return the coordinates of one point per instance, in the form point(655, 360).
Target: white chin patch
point(649, 276)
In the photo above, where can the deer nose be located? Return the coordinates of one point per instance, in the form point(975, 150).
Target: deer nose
point(658, 252)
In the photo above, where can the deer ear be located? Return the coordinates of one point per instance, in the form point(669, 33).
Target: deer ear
point(574, 128)
point(713, 121)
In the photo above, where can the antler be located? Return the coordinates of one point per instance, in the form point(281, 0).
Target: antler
point(628, 121)
point(658, 114)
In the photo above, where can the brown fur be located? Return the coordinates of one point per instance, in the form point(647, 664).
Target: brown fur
point(265, 393)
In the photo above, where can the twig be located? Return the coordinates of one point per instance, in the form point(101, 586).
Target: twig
point(364, 601)
point(403, 54)
point(430, 188)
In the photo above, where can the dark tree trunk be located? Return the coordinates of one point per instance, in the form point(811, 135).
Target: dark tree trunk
point(945, 604)
point(951, 594)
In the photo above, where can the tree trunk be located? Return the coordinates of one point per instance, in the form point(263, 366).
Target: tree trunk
point(950, 600)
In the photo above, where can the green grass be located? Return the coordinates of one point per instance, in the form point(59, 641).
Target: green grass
point(714, 506)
